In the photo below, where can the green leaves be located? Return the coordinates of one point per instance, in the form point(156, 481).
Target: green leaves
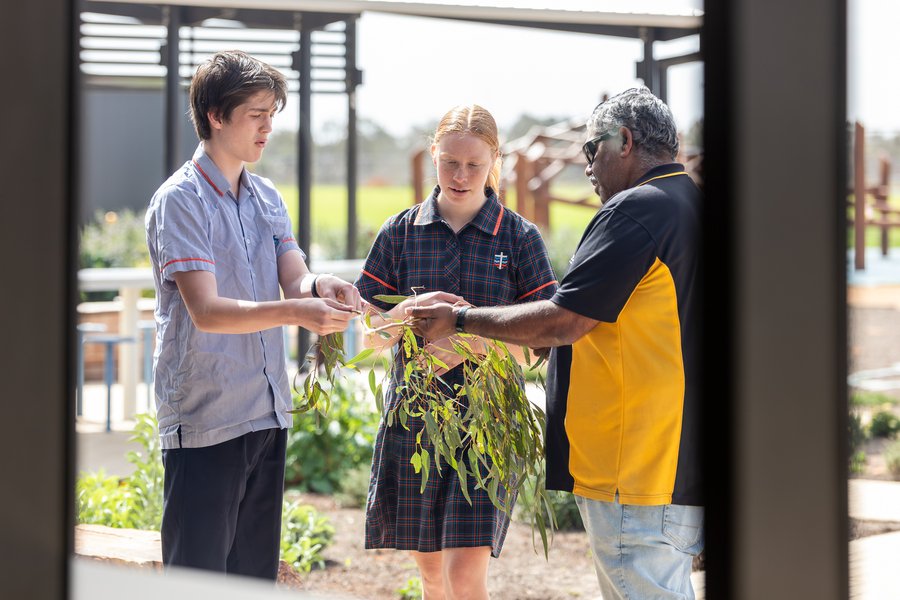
point(133, 502)
point(485, 429)
point(304, 534)
point(327, 355)
point(391, 299)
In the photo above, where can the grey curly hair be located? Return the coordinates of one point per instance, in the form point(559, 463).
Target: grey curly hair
point(646, 116)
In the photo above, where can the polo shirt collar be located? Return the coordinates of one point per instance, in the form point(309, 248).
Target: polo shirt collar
point(210, 172)
point(666, 169)
point(486, 220)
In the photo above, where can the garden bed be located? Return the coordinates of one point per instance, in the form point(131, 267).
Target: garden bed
point(519, 573)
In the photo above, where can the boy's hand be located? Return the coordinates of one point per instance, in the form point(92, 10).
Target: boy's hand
point(321, 315)
point(335, 288)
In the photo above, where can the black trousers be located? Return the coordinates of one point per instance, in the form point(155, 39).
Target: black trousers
point(223, 505)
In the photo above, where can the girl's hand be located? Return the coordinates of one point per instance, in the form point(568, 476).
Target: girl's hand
point(443, 351)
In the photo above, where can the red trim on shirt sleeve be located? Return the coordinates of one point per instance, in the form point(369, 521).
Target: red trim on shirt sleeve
point(208, 179)
point(184, 260)
point(385, 284)
point(289, 240)
point(538, 289)
point(497, 226)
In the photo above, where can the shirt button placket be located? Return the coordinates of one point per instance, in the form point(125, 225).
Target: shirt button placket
point(451, 265)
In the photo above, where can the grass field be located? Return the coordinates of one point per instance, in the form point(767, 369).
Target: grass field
point(376, 204)
point(873, 233)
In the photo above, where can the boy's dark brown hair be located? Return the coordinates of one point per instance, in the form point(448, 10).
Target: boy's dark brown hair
point(227, 80)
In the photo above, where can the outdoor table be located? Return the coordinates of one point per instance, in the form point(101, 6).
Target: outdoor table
point(128, 283)
point(110, 339)
point(82, 329)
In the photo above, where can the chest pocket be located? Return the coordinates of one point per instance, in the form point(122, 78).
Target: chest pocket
point(273, 230)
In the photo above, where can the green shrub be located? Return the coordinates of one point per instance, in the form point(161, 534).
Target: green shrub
point(304, 534)
point(133, 502)
point(858, 433)
point(322, 451)
point(884, 424)
point(866, 398)
point(568, 518)
point(412, 590)
point(355, 487)
point(119, 242)
point(892, 457)
point(136, 502)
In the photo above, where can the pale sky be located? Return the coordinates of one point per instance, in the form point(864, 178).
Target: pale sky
point(415, 69)
point(873, 78)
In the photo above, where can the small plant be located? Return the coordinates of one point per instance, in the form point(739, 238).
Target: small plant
point(858, 463)
point(412, 590)
point(892, 458)
point(884, 424)
point(304, 534)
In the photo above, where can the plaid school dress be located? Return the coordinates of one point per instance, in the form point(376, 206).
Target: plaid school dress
point(497, 259)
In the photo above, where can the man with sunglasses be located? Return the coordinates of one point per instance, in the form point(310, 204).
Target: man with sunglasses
point(622, 379)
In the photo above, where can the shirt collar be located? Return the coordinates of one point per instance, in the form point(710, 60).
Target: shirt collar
point(487, 219)
point(666, 169)
point(211, 173)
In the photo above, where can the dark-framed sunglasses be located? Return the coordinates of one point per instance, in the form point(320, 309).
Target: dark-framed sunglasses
point(590, 146)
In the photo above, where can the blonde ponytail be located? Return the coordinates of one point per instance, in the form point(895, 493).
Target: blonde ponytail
point(493, 180)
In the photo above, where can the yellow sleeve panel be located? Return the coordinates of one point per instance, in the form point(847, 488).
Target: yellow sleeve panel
point(626, 396)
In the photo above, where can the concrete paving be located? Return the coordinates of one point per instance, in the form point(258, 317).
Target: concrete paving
point(880, 270)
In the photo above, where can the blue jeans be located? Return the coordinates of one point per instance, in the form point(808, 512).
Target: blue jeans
point(642, 552)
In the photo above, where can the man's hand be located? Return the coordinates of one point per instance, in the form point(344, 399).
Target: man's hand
point(335, 288)
point(398, 313)
point(436, 321)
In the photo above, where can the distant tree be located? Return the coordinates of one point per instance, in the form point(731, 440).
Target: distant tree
point(381, 157)
point(694, 135)
point(524, 124)
point(882, 144)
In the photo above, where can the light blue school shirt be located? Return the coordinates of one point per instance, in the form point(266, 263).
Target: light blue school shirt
point(214, 387)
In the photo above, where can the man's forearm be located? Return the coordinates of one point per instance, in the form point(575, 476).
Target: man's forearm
point(535, 324)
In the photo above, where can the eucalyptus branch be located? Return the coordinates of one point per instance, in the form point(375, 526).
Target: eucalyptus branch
point(497, 435)
point(326, 354)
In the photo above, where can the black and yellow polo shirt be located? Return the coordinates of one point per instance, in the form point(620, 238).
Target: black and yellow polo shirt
point(622, 400)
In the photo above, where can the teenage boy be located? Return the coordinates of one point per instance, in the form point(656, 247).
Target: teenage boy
point(221, 245)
